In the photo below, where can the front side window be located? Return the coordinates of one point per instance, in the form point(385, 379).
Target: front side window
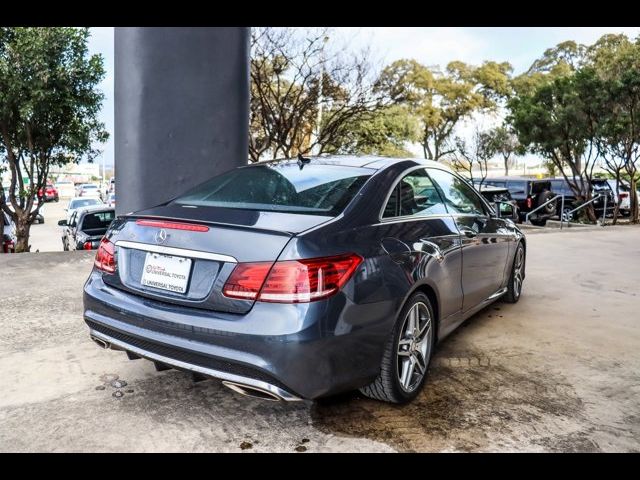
point(458, 196)
point(414, 195)
point(286, 187)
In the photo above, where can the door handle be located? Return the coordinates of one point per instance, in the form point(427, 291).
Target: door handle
point(467, 232)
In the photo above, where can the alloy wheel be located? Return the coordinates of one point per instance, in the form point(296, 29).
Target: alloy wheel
point(414, 347)
point(518, 271)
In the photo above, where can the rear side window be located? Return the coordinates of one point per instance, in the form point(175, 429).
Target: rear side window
point(286, 187)
point(458, 196)
point(415, 195)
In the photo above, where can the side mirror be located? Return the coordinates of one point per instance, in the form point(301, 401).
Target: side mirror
point(62, 223)
point(506, 210)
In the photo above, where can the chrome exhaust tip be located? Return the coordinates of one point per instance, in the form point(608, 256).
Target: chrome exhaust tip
point(101, 343)
point(251, 391)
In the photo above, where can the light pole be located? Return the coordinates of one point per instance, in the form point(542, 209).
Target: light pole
point(316, 147)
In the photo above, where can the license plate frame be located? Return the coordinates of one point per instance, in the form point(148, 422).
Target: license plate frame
point(168, 273)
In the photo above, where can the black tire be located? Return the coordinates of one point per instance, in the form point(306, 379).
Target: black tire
point(539, 222)
point(549, 208)
point(387, 387)
point(514, 291)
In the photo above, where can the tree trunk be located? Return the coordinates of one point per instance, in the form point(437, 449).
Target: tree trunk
point(506, 166)
point(633, 198)
point(22, 234)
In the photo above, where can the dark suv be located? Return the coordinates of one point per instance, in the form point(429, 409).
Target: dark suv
point(529, 194)
point(598, 187)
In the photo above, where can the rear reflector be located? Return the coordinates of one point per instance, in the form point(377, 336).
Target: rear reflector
point(291, 281)
point(173, 225)
point(105, 257)
point(529, 202)
point(87, 246)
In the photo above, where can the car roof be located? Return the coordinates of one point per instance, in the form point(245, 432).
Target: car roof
point(517, 178)
point(362, 161)
point(94, 208)
point(492, 188)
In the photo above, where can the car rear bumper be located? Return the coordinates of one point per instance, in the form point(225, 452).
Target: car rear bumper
point(291, 351)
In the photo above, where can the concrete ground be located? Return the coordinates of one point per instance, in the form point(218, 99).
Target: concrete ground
point(558, 371)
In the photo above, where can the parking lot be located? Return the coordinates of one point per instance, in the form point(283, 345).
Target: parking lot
point(46, 237)
point(558, 371)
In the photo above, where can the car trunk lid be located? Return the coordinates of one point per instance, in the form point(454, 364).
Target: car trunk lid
point(184, 255)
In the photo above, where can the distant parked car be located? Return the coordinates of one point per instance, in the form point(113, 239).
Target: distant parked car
point(529, 194)
point(86, 227)
point(49, 193)
point(39, 218)
point(8, 239)
point(624, 199)
point(66, 189)
point(598, 187)
point(88, 190)
point(500, 198)
point(79, 202)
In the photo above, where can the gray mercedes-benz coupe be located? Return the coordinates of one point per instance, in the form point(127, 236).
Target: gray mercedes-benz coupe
point(300, 279)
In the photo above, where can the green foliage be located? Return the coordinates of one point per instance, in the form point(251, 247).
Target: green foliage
point(49, 109)
point(441, 100)
point(386, 133)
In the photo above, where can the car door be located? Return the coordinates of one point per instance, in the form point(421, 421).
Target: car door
point(486, 239)
point(71, 231)
point(420, 235)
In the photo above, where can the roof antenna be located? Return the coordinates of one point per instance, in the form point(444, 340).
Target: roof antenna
point(302, 161)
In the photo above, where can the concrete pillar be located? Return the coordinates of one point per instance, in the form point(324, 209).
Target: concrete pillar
point(181, 109)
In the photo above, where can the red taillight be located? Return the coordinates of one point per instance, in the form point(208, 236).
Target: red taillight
point(291, 281)
point(87, 246)
point(529, 202)
point(246, 280)
point(105, 258)
point(624, 195)
point(173, 225)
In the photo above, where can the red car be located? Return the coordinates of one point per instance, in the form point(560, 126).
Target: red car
point(50, 193)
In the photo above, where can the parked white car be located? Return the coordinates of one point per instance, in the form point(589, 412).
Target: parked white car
point(80, 202)
point(65, 188)
point(88, 190)
point(624, 198)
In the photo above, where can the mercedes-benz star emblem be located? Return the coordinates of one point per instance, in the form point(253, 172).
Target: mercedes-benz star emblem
point(161, 235)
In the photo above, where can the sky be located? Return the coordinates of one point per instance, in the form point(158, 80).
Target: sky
point(520, 46)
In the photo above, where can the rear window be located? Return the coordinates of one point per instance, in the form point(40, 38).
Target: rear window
point(517, 186)
point(83, 203)
point(97, 221)
point(87, 187)
point(286, 187)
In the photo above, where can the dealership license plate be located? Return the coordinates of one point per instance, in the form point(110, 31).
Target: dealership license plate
point(166, 272)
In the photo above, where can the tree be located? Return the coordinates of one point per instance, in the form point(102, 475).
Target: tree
point(441, 100)
point(502, 140)
point(293, 76)
point(48, 111)
point(473, 155)
point(616, 61)
point(559, 121)
point(385, 132)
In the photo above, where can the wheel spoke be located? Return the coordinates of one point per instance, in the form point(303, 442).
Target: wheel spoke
point(412, 324)
point(419, 362)
point(425, 328)
point(407, 372)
